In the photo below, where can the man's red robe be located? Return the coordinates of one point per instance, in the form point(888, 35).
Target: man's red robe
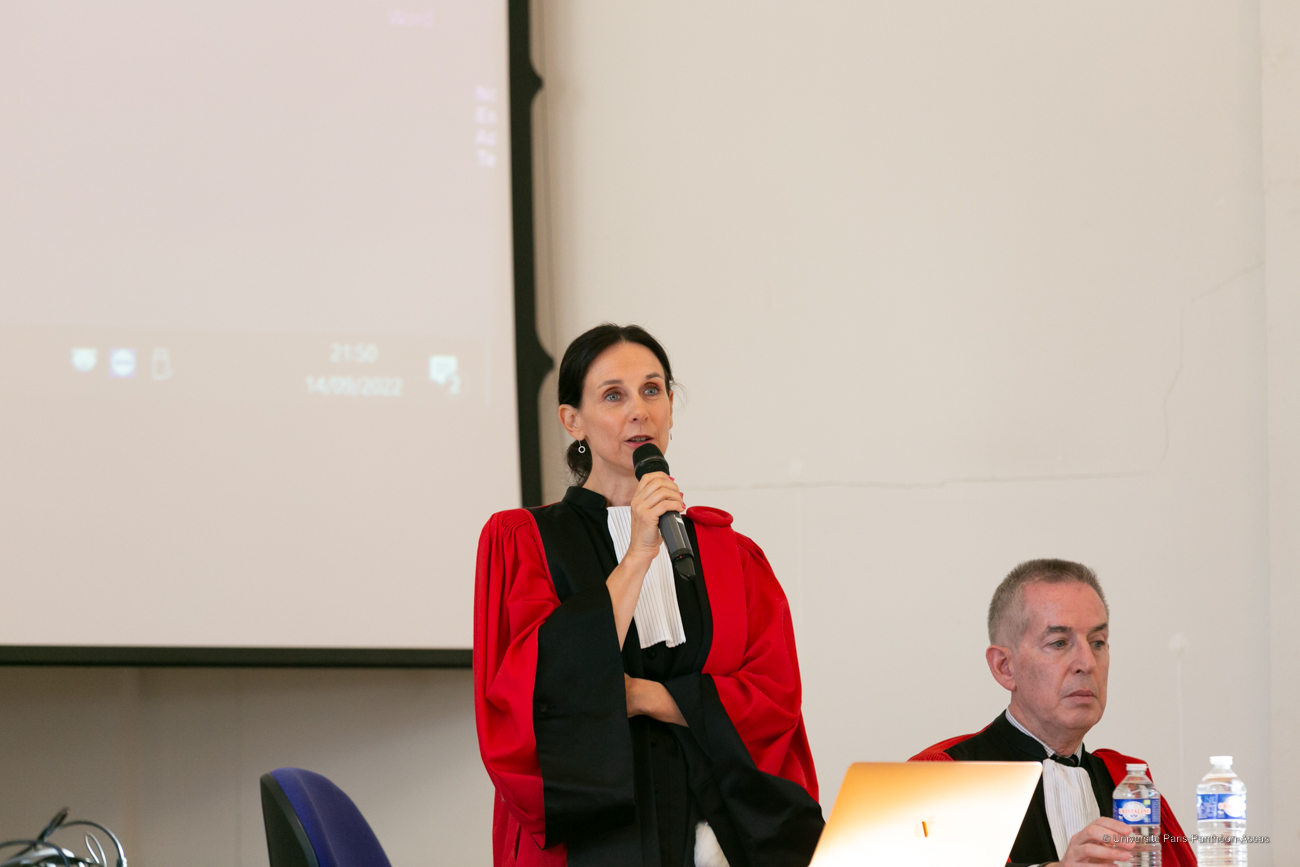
point(1175, 851)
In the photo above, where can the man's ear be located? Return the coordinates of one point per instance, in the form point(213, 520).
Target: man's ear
point(999, 660)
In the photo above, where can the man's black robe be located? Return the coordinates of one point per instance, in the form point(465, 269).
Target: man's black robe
point(1003, 742)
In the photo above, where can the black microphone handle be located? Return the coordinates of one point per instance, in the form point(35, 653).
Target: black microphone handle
point(648, 459)
point(673, 529)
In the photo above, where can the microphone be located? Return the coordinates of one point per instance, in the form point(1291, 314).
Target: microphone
point(648, 459)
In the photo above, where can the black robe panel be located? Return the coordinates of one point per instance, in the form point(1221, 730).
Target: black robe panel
point(653, 823)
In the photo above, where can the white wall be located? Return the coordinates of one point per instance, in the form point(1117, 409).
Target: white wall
point(949, 285)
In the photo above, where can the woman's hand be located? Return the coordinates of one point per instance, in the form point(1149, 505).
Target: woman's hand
point(651, 698)
point(655, 494)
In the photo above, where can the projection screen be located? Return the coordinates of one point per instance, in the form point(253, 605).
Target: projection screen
point(257, 381)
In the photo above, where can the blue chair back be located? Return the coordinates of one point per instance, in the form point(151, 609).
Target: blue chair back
point(310, 822)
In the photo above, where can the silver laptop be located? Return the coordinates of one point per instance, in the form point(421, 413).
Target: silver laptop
point(928, 814)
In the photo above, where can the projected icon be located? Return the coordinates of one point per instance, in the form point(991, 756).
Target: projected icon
point(443, 370)
point(485, 116)
point(162, 364)
point(121, 363)
point(84, 359)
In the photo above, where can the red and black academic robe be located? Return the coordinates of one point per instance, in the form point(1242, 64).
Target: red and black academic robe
point(577, 781)
point(1000, 741)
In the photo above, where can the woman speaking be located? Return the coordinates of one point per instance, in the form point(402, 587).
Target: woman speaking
point(627, 715)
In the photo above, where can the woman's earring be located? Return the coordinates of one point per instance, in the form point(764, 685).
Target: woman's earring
point(582, 448)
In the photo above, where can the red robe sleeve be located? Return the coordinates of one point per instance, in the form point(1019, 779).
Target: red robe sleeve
point(763, 695)
point(513, 596)
point(745, 709)
point(936, 753)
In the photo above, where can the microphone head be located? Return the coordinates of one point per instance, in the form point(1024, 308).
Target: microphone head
point(648, 459)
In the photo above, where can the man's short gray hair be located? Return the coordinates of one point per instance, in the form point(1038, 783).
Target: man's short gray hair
point(1007, 618)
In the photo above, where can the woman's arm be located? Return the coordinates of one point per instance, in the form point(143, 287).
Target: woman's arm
point(656, 494)
point(624, 585)
point(651, 698)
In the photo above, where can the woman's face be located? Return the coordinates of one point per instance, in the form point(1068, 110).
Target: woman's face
point(625, 404)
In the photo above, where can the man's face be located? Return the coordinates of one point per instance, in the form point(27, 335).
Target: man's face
point(1061, 663)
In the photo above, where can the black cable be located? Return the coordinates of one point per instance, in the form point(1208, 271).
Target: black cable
point(54, 823)
point(40, 840)
point(59, 822)
point(32, 844)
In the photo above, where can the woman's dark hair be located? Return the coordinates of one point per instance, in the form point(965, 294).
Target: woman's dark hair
point(584, 350)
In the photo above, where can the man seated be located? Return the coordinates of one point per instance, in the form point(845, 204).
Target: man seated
point(1048, 631)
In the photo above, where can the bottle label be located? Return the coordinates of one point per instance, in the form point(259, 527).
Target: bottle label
point(1138, 811)
point(1220, 807)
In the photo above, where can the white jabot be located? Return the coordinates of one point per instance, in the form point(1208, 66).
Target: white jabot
point(657, 616)
point(1070, 801)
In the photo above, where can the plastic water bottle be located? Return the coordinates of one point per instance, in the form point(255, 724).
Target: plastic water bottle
point(1221, 816)
point(1137, 805)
